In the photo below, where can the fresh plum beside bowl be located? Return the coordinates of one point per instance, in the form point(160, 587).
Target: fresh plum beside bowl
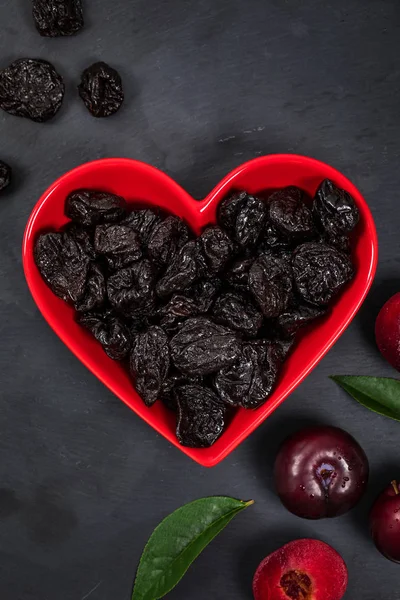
point(320, 472)
point(387, 331)
point(384, 522)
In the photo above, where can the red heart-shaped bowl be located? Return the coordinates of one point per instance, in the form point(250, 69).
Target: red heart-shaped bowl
point(141, 183)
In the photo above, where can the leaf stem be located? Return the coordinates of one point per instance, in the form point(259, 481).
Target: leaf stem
point(395, 487)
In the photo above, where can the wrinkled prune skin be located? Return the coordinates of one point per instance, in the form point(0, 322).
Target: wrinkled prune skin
point(238, 274)
point(143, 222)
point(109, 331)
point(272, 239)
point(149, 363)
point(182, 271)
point(320, 271)
point(166, 238)
point(54, 18)
point(334, 210)
point(176, 311)
point(340, 242)
point(92, 207)
point(202, 347)
point(63, 265)
point(32, 89)
point(203, 292)
point(201, 416)
point(131, 290)
point(243, 217)
point(101, 90)
point(94, 293)
point(236, 311)
point(270, 281)
point(175, 380)
point(5, 175)
point(120, 243)
point(290, 216)
point(83, 236)
point(217, 248)
point(293, 319)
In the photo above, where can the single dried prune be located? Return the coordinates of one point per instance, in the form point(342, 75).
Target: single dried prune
point(5, 175)
point(201, 416)
point(270, 281)
point(95, 291)
point(238, 312)
point(182, 271)
point(101, 90)
point(119, 243)
point(177, 310)
point(175, 380)
point(143, 222)
point(238, 274)
point(217, 248)
point(202, 347)
point(320, 271)
point(166, 239)
point(110, 331)
point(32, 89)
point(243, 217)
point(91, 207)
point(55, 18)
point(334, 209)
point(82, 235)
point(289, 215)
point(63, 265)
point(149, 363)
point(291, 320)
point(131, 290)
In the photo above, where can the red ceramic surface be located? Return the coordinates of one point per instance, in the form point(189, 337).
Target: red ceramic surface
point(141, 183)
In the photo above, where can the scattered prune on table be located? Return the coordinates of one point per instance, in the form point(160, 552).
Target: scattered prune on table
point(217, 248)
point(5, 175)
point(290, 321)
point(101, 90)
point(290, 216)
point(119, 243)
point(166, 238)
point(201, 416)
point(238, 312)
point(334, 209)
point(238, 274)
point(92, 207)
point(202, 347)
point(131, 290)
point(320, 271)
point(63, 265)
point(182, 271)
point(270, 281)
point(109, 331)
point(149, 363)
point(143, 222)
point(55, 18)
point(94, 293)
point(32, 89)
point(243, 217)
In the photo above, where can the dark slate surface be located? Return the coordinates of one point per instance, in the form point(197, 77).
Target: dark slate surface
point(208, 85)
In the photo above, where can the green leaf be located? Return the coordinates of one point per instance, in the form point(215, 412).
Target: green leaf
point(178, 540)
point(379, 394)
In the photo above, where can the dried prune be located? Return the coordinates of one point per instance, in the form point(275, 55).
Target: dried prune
point(217, 248)
point(119, 243)
point(175, 380)
point(238, 312)
point(270, 281)
point(63, 265)
point(131, 290)
point(94, 292)
point(5, 175)
point(166, 238)
point(110, 331)
point(202, 347)
point(201, 416)
point(55, 18)
point(334, 209)
point(101, 90)
point(320, 271)
point(32, 89)
point(92, 207)
point(177, 310)
point(272, 239)
point(149, 363)
point(238, 274)
point(290, 321)
point(340, 242)
point(243, 217)
point(143, 222)
point(204, 292)
point(82, 235)
point(182, 271)
point(289, 215)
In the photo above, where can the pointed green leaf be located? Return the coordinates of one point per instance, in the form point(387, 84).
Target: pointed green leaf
point(178, 540)
point(379, 394)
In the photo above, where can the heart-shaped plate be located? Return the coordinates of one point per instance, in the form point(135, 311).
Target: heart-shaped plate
point(143, 184)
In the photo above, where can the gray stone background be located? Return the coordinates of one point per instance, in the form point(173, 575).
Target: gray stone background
point(208, 84)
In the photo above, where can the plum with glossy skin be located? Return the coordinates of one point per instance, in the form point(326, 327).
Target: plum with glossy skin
point(387, 331)
point(320, 472)
point(384, 522)
point(301, 570)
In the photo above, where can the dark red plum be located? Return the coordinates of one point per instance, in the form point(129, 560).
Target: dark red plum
point(384, 522)
point(387, 331)
point(320, 472)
